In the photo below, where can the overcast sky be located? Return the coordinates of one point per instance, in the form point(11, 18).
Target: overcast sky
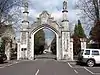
point(54, 7)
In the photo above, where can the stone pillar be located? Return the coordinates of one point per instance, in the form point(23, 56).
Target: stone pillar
point(66, 45)
point(58, 47)
point(27, 43)
point(65, 33)
point(63, 45)
point(83, 43)
point(7, 51)
point(32, 47)
point(24, 31)
point(18, 51)
point(28, 47)
point(71, 48)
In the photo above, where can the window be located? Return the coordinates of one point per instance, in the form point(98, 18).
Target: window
point(23, 49)
point(95, 52)
point(87, 52)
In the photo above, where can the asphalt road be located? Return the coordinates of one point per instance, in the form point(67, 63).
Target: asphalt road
point(46, 67)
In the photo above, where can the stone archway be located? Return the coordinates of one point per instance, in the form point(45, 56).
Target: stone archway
point(62, 31)
point(58, 55)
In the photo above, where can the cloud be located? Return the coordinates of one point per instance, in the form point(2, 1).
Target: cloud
point(41, 5)
point(52, 6)
point(73, 15)
point(57, 15)
point(49, 33)
point(49, 36)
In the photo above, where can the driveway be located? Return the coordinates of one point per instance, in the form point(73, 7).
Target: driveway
point(48, 67)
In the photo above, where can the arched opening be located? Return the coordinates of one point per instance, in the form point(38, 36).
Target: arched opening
point(56, 38)
point(45, 44)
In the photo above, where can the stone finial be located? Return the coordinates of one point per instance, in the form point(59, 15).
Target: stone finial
point(65, 12)
point(64, 5)
point(25, 21)
point(25, 5)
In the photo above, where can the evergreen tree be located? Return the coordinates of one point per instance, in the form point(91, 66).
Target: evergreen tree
point(2, 46)
point(80, 30)
point(78, 33)
point(39, 42)
point(76, 30)
point(53, 46)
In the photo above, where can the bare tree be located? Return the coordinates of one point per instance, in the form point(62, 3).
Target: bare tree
point(10, 13)
point(89, 10)
point(5, 7)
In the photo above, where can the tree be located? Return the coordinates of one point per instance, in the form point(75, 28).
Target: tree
point(91, 11)
point(2, 46)
point(76, 30)
point(53, 46)
point(11, 13)
point(78, 33)
point(6, 7)
point(95, 33)
point(39, 42)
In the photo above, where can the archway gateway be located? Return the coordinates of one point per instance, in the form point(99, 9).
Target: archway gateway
point(57, 39)
point(64, 44)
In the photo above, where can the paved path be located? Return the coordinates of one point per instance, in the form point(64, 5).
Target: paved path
point(46, 67)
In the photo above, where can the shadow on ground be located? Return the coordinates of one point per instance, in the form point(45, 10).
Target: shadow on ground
point(45, 56)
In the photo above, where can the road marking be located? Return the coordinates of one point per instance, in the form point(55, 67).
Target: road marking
point(74, 66)
point(96, 72)
point(37, 72)
point(88, 70)
point(76, 71)
point(70, 65)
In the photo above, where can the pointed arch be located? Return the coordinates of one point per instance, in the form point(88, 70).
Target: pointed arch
point(57, 33)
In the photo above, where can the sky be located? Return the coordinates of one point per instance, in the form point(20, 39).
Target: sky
point(54, 7)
